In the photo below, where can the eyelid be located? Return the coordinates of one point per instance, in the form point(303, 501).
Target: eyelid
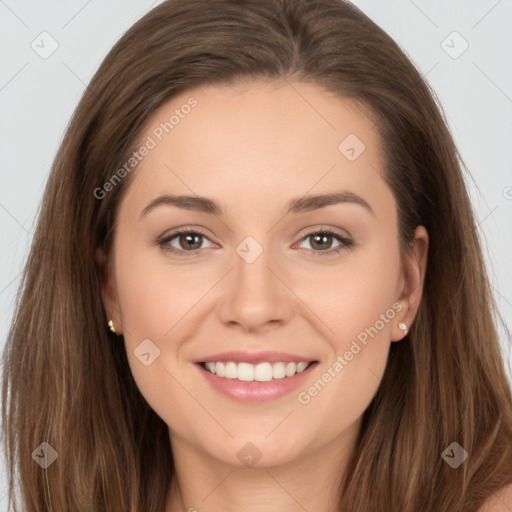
point(324, 228)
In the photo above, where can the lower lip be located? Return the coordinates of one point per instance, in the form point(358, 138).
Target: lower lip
point(255, 391)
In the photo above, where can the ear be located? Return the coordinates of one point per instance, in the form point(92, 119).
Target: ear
point(411, 283)
point(108, 291)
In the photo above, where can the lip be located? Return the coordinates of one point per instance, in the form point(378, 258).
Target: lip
point(256, 392)
point(241, 356)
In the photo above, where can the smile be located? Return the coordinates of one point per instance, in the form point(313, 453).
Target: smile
point(255, 383)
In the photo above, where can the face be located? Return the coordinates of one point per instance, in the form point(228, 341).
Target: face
point(265, 276)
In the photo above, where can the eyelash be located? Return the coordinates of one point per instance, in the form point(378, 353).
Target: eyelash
point(346, 243)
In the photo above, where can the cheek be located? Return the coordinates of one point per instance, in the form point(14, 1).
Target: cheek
point(355, 303)
point(351, 297)
point(153, 295)
point(154, 299)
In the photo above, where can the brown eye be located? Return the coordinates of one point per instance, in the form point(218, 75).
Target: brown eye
point(184, 241)
point(321, 242)
point(190, 241)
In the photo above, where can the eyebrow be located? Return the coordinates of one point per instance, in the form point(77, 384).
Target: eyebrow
point(297, 205)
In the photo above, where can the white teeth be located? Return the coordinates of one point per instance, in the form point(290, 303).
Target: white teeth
point(301, 367)
point(210, 366)
point(219, 369)
point(278, 370)
point(231, 371)
point(262, 372)
point(291, 369)
point(245, 372)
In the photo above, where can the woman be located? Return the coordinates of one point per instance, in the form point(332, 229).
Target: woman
point(256, 282)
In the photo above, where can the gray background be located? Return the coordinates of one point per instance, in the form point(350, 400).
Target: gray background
point(38, 96)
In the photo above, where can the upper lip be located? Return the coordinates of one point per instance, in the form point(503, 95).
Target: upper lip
point(254, 357)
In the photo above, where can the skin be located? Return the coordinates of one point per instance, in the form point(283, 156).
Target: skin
point(252, 149)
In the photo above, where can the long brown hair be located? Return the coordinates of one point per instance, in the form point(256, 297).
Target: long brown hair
point(66, 378)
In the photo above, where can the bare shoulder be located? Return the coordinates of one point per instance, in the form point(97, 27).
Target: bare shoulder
point(500, 501)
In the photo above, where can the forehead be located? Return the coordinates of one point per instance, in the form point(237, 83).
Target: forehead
point(257, 143)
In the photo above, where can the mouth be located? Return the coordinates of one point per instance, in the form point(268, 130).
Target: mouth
point(263, 381)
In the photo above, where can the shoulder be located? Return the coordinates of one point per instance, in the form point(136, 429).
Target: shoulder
point(499, 501)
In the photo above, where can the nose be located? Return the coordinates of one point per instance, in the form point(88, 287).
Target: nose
point(255, 295)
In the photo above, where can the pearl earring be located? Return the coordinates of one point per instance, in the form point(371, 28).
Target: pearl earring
point(402, 326)
point(111, 326)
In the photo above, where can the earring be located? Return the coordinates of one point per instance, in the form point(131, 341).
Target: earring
point(111, 326)
point(402, 326)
